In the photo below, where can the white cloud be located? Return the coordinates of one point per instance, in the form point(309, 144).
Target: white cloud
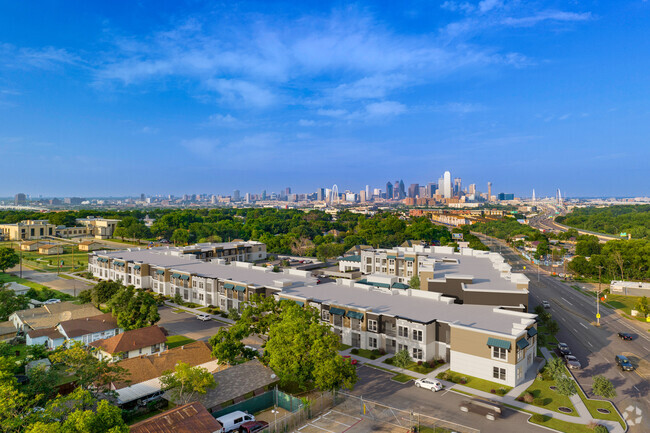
point(455, 6)
point(488, 5)
point(305, 122)
point(332, 112)
point(149, 130)
point(549, 15)
point(222, 120)
point(386, 108)
point(239, 91)
point(201, 146)
point(40, 58)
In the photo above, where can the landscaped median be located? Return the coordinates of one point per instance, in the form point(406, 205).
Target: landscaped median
point(541, 394)
point(474, 382)
point(554, 423)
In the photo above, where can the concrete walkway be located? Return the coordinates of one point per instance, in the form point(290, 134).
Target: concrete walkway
point(379, 362)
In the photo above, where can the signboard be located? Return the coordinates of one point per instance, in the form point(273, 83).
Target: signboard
point(598, 316)
point(623, 234)
point(457, 236)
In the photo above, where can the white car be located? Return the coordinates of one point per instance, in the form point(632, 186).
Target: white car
point(432, 384)
point(546, 304)
point(52, 301)
point(204, 317)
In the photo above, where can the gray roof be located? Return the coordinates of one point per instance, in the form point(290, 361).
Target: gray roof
point(254, 275)
point(485, 276)
point(236, 381)
point(423, 308)
point(153, 256)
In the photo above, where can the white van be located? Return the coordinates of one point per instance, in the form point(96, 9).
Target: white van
point(233, 420)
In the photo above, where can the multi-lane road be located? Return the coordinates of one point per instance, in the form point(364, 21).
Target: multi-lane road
point(594, 346)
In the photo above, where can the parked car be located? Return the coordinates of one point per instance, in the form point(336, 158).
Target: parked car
point(624, 363)
point(546, 304)
point(572, 362)
point(204, 317)
point(52, 301)
point(233, 420)
point(153, 397)
point(564, 349)
point(432, 384)
point(253, 426)
point(625, 336)
point(489, 409)
point(352, 360)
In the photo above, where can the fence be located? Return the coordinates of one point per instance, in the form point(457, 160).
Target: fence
point(316, 405)
point(264, 401)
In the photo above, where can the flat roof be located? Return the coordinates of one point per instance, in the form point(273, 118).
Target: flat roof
point(153, 256)
point(422, 307)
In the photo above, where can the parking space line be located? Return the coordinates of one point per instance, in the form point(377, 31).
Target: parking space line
point(338, 422)
point(344, 414)
point(321, 428)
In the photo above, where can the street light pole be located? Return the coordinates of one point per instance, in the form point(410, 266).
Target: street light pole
point(600, 268)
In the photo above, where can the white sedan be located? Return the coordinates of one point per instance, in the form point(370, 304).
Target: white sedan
point(432, 384)
point(204, 317)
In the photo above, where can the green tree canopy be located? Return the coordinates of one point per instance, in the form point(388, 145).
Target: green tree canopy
point(184, 382)
point(8, 258)
point(10, 302)
point(133, 308)
point(603, 387)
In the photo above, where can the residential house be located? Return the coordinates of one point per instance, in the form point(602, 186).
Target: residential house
point(7, 331)
point(189, 418)
point(19, 289)
point(90, 246)
point(144, 371)
point(85, 330)
point(31, 245)
point(50, 315)
point(129, 344)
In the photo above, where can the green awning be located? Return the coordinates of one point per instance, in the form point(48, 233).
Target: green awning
point(400, 286)
point(175, 275)
point(410, 259)
point(118, 263)
point(185, 277)
point(351, 259)
point(384, 285)
point(229, 285)
point(160, 271)
point(136, 267)
point(495, 342)
point(522, 344)
point(390, 256)
point(532, 332)
point(240, 288)
point(339, 311)
point(355, 315)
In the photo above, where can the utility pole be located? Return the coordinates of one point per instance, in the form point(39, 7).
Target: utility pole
point(600, 268)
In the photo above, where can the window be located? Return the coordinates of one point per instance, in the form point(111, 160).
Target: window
point(520, 355)
point(417, 353)
point(325, 315)
point(409, 264)
point(417, 335)
point(499, 373)
point(499, 353)
point(372, 342)
point(403, 331)
point(372, 325)
point(401, 347)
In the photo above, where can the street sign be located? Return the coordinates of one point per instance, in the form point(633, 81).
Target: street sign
point(623, 234)
point(598, 316)
point(602, 299)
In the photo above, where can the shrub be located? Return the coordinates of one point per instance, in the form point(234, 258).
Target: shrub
point(601, 429)
point(419, 362)
point(389, 361)
point(354, 351)
point(538, 417)
point(493, 391)
point(375, 352)
point(538, 402)
point(502, 391)
point(462, 380)
point(373, 356)
point(528, 397)
point(382, 352)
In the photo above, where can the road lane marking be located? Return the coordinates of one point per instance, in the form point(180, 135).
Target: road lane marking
point(589, 344)
point(636, 388)
point(585, 326)
point(575, 330)
point(621, 374)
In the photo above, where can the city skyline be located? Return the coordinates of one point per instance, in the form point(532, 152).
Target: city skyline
point(195, 97)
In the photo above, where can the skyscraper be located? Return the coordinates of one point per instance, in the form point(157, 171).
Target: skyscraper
point(431, 189)
point(489, 197)
point(446, 190)
point(389, 190)
point(402, 190)
point(368, 195)
point(472, 189)
point(20, 199)
point(235, 195)
point(414, 190)
point(457, 186)
point(320, 194)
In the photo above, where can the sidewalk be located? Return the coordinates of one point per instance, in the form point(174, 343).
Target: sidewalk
point(379, 362)
point(196, 311)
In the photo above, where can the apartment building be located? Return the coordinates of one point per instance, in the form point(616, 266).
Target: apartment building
point(468, 276)
point(236, 251)
point(27, 230)
point(100, 228)
point(493, 342)
point(483, 341)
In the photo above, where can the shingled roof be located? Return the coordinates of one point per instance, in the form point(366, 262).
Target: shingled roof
point(89, 325)
point(190, 418)
point(131, 340)
point(51, 315)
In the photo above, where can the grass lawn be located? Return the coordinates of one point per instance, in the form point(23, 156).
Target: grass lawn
point(551, 400)
point(402, 378)
point(177, 341)
point(368, 354)
point(592, 405)
point(556, 424)
point(344, 346)
point(8, 278)
point(425, 429)
point(475, 382)
point(624, 303)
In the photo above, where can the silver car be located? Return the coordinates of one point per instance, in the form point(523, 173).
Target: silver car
point(572, 362)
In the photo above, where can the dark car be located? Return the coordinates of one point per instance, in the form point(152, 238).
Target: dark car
point(487, 408)
point(253, 426)
point(625, 336)
point(624, 363)
point(564, 349)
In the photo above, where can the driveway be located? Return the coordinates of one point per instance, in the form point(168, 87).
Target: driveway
point(50, 279)
point(376, 385)
point(187, 324)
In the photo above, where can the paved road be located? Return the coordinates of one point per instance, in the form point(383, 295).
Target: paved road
point(187, 324)
point(375, 385)
point(595, 347)
point(50, 279)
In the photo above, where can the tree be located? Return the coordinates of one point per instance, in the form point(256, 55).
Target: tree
point(85, 296)
point(92, 374)
point(555, 368)
point(178, 299)
point(10, 302)
point(8, 258)
point(414, 282)
point(565, 385)
point(603, 387)
point(180, 236)
point(133, 308)
point(553, 327)
point(42, 384)
point(402, 359)
point(184, 382)
point(226, 344)
point(103, 291)
point(642, 306)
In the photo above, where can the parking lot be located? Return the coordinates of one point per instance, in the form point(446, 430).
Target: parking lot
point(338, 421)
point(187, 324)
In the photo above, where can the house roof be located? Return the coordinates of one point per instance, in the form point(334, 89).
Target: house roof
point(89, 325)
point(149, 367)
point(48, 246)
point(16, 287)
point(52, 333)
point(236, 381)
point(131, 340)
point(7, 328)
point(51, 315)
point(89, 243)
point(189, 418)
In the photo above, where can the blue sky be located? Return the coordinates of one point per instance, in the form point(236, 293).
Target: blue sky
point(119, 98)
